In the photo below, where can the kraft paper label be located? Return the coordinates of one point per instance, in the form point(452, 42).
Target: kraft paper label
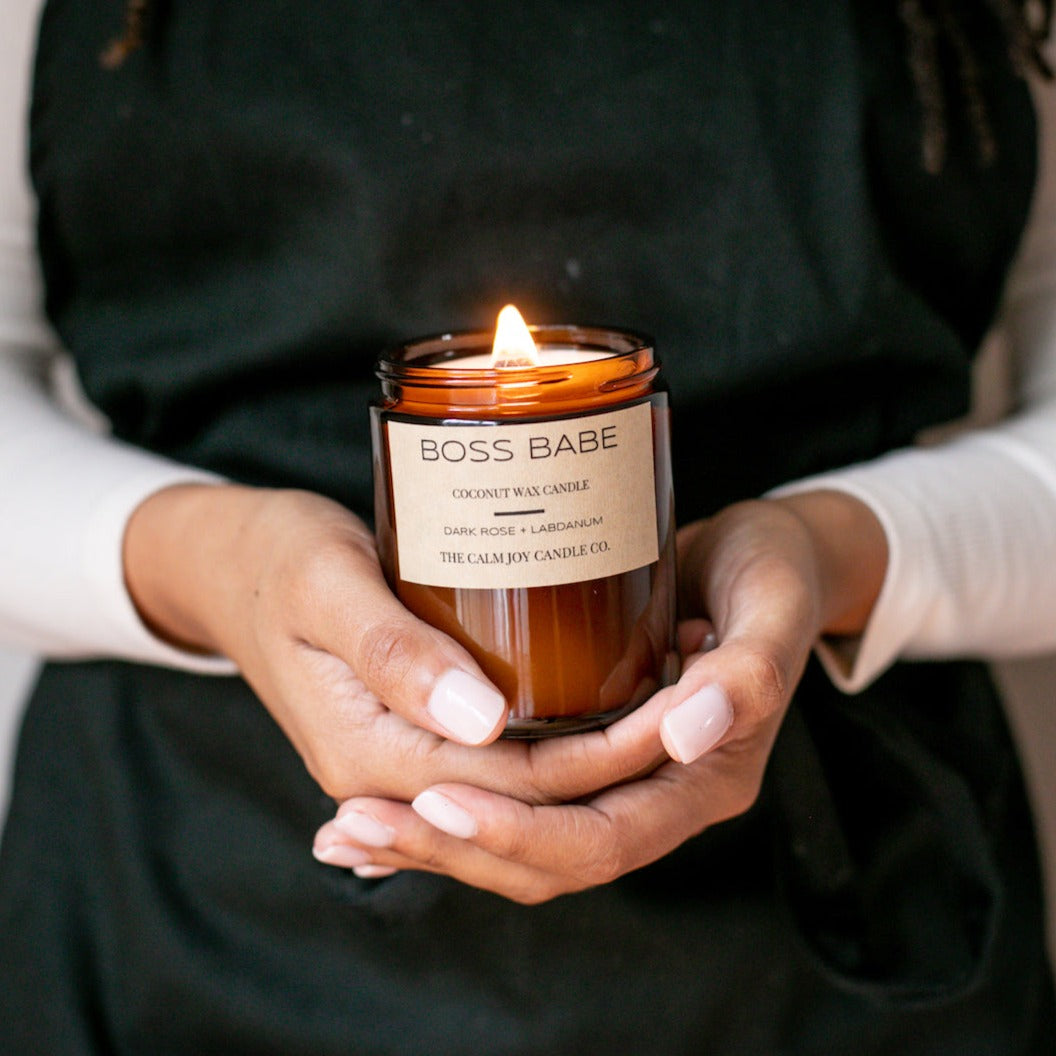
point(528, 504)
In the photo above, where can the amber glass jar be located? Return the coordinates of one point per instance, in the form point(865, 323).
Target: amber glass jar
point(528, 513)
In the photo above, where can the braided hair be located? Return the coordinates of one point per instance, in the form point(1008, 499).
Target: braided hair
point(131, 37)
point(932, 27)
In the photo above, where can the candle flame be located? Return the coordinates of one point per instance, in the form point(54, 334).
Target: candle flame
point(513, 345)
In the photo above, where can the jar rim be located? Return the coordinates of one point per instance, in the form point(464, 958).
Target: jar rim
point(417, 360)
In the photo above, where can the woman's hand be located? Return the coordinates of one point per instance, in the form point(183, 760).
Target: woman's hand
point(770, 576)
point(287, 584)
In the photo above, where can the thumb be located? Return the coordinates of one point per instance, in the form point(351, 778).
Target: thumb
point(412, 668)
point(754, 573)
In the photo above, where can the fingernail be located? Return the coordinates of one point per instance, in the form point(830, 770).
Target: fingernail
point(697, 724)
point(711, 641)
point(444, 815)
point(374, 872)
point(465, 707)
point(341, 854)
point(365, 829)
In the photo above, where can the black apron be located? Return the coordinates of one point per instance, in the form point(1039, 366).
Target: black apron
point(232, 224)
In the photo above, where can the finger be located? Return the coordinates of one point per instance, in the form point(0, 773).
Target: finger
point(649, 653)
point(752, 569)
point(696, 636)
point(423, 847)
point(590, 843)
point(736, 692)
point(411, 667)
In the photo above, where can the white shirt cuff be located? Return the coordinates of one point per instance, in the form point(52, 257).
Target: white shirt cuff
point(62, 589)
point(969, 529)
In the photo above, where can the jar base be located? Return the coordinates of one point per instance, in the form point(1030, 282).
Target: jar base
point(555, 726)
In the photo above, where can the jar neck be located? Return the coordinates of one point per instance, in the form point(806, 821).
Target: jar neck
point(422, 377)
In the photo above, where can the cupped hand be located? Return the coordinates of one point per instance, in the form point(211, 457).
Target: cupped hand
point(760, 582)
point(377, 703)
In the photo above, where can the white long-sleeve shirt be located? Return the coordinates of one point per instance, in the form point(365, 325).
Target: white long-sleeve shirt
point(970, 524)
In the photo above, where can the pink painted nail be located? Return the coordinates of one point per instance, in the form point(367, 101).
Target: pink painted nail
point(364, 829)
point(697, 724)
point(445, 815)
point(465, 707)
point(342, 855)
point(374, 872)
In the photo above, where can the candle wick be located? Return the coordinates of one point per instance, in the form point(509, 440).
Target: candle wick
point(504, 359)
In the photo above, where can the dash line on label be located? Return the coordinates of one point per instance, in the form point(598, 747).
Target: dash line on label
point(515, 513)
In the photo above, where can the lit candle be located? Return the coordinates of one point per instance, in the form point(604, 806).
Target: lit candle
point(514, 347)
point(523, 505)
